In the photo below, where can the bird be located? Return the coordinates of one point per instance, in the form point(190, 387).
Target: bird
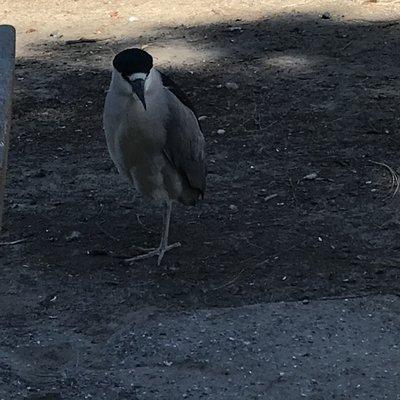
point(154, 138)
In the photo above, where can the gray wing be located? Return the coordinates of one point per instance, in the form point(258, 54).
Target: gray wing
point(169, 84)
point(184, 146)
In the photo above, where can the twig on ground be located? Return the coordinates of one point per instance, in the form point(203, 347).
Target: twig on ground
point(346, 46)
point(270, 197)
point(143, 225)
point(85, 40)
point(228, 283)
point(395, 177)
point(13, 242)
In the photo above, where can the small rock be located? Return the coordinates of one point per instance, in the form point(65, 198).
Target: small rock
point(73, 236)
point(311, 176)
point(202, 117)
point(235, 28)
point(168, 363)
point(221, 131)
point(326, 15)
point(56, 35)
point(133, 18)
point(233, 208)
point(232, 85)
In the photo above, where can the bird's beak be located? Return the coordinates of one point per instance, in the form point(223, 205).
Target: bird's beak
point(138, 89)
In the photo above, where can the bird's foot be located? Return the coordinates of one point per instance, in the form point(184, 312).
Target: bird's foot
point(160, 251)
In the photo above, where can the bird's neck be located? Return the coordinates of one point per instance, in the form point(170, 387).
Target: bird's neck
point(153, 82)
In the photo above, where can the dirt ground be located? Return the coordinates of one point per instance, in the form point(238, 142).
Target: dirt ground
point(299, 203)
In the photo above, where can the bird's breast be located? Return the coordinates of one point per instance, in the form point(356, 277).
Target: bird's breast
point(136, 139)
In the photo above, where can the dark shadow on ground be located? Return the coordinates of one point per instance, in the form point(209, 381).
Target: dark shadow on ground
point(315, 96)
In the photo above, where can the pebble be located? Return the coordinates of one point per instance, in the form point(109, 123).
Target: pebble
point(220, 131)
point(311, 176)
point(73, 236)
point(231, 85)
point(56, 35)
point(235, 28)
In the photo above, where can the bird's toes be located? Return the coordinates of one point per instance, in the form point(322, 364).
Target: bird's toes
point(142, 256)
point(172, 246)
point(163, 250)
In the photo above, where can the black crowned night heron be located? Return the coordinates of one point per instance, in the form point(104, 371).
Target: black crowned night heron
point(154, 137)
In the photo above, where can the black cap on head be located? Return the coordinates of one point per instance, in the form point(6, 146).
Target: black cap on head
point(130, 61)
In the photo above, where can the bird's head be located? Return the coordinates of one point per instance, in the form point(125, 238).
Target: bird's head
point(133, 67)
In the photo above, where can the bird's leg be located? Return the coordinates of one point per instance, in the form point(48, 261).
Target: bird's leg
point(163, 247)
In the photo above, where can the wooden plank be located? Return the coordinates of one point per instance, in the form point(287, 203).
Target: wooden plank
point(7, 63)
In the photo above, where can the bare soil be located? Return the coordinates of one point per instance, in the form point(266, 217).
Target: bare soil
point(299, 202)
